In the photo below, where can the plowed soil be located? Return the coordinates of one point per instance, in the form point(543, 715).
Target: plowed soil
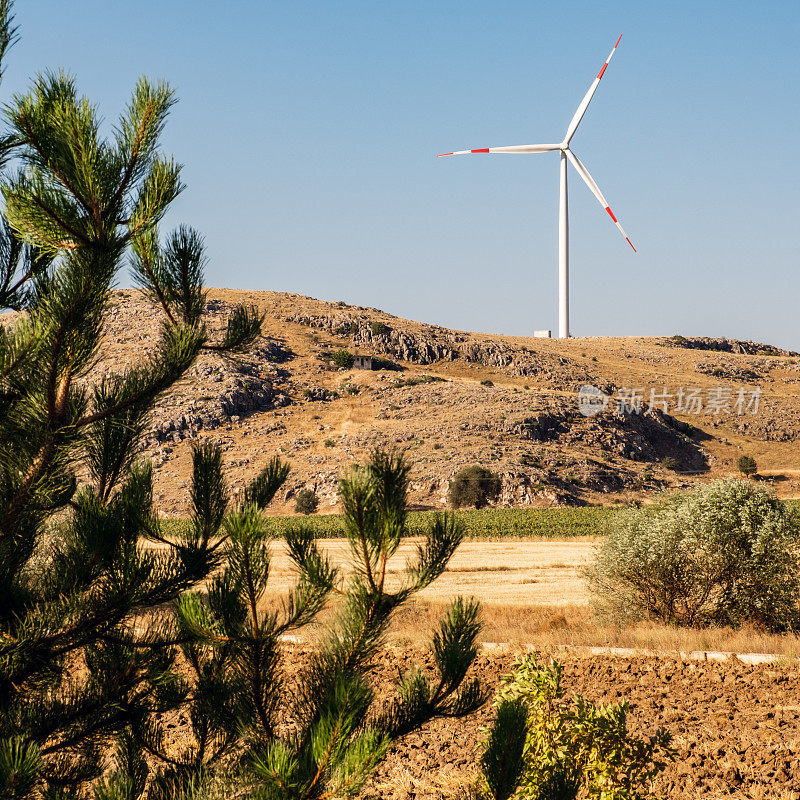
point(736, 727)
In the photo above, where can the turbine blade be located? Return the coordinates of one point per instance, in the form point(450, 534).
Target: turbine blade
point(595, 190)
point(576, 120)
point(514, 148)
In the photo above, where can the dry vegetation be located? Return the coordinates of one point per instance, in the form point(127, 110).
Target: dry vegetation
point(533, 593)
point(557, 627)
point(504, 573)
point(448, 423)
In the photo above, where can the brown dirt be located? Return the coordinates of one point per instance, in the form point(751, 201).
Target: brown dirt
point(736, 728)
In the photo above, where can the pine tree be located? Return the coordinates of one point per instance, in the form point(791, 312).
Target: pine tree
point(109, 627)
point(84, 566)
point(338, 731)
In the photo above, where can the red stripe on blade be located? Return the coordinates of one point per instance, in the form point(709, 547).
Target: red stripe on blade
point(611, 214)
point(443, 154)
point(600, 74)
point(620, 37)
point(630, 243)
point(482, 150)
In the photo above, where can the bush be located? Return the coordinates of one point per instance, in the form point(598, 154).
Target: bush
point(747, 465)
point(379, 328)
point(473, 486)
point(487, 382)
point(342, 358)
point(416, 380)
point(723, 554)
point(306, 502)
point(544, 746)
point(668, 462)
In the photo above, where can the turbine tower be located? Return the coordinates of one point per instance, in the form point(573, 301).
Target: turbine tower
point(563, 210)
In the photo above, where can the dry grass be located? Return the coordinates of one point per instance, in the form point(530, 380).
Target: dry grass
point(445, 784)
point(553, 626)
point(531, 593)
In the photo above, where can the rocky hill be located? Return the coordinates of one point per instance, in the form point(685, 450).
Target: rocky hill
point(669, 411)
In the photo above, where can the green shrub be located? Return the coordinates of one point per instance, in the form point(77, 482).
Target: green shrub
point(747, 465)
point(342, 358)
point(668, 462)
point(542, 745)
point(379, 328)
point(329, 443)
point(306, 502)
point(417, 380)
point(725, 553)
point(474, 486)
point(487, 382)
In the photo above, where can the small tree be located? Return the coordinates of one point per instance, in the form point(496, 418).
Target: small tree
point(473, 486)
point(747, 465)
point(306, 502)
point(342, 358)
point(724, 553)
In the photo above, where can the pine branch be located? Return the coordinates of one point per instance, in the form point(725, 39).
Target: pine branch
point(179, 349)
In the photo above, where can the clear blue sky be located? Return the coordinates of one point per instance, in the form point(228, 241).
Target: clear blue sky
point(309, 129)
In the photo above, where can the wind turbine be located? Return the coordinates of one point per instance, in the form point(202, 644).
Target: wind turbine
point(563, 213)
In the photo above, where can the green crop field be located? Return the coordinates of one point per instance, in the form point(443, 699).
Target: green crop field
point(486, 523)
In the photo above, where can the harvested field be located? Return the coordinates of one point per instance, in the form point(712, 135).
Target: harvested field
point(507, 572)
point(531, 593)
point(736, 728)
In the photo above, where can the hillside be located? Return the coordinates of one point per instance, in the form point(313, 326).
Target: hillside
point(454, 398)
